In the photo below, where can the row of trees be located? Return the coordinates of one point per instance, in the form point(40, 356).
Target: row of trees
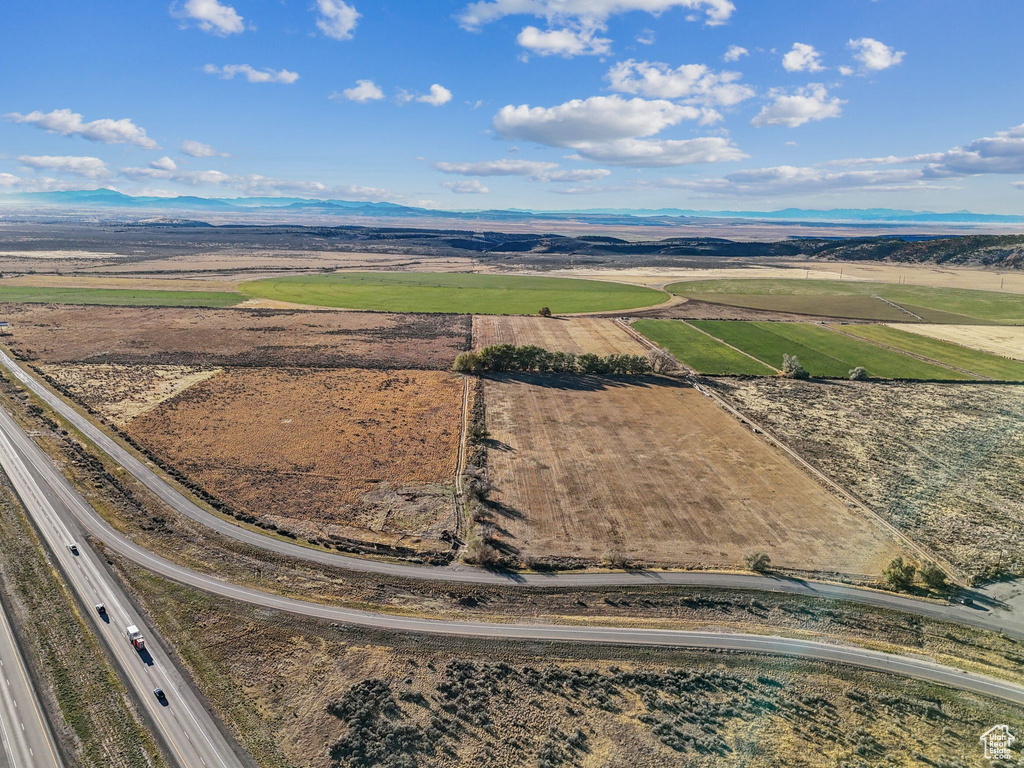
point(793, 369)
point(509, 357)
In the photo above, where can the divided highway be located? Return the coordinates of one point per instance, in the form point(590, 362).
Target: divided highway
point(186, 728)
point(25, 737)
point(968, 615)
point(58, 508)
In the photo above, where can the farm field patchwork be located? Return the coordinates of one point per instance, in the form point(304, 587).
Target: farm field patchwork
point(855, 299)
point(361, 455)
point(822, 352)
point(481, 294)
point(699, 350)
point(656, 472)
point(234, 337)
point(116, 296)
point(579, 335)
point(982, 363)
point(942, 462)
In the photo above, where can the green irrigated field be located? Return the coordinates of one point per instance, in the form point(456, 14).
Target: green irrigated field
point(858, 300)
point(117, 296)
point(698, 350)
point(822, 352)
point(456, 293)
point(982, 363)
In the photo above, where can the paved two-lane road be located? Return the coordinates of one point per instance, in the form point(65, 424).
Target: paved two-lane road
point(25, 737)
point(23, 459)
point(976, 616)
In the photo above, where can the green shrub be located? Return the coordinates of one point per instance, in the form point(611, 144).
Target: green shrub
point(792, 369)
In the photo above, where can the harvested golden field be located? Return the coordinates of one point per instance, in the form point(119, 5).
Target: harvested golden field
point(1005, 340)
point(600, 336)
point(942, 462)
point(119, 393)
point(656, 472)
point(360, 455)
point(234, 337)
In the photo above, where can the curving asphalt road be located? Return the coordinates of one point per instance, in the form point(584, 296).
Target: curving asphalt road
point(977, 616)
point(55, 505)
point(25, 737)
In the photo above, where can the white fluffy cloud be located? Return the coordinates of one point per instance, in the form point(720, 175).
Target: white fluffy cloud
point(802, 58)
point(597, 119)
point(587, 12)
point(336, 19)
point(11, 183)
point(793, 180)
point(575, 176)
point(212, 16)
point(198, 149)
point(505, 167)
point(192, 178)
point(574, 25)
point(563, 42)
point(735, 53)
point(468, 187)
point(795, 108)
point(163, 164)
point(86, 167)
point(363, 91)
point(695, 83)
point(253, 75)
point(437, 96)
point(873, 55)
point(68, 123)
point(660, 153)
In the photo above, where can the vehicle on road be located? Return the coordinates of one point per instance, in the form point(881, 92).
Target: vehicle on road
point(159, 693)
point(101, 609)
point(73, 548)
point(135, 636)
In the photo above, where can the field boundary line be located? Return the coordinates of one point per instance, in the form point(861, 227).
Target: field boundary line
point(460, 465)
point(647, 343)
point(922, 358)
point(919, 549)
point(897, 306)
point(730, 346)
point(956, 343)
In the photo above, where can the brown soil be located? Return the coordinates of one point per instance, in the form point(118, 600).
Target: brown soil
point(119, 393)
point(234, 337)
point(599, 336)
point(357, 454)
point(658, 473)
point(942, 462)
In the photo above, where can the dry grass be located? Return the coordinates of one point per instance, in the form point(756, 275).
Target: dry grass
point(579, 335)
point(290, 688)
point(119, 393)
point(1007, 341)
point(248, 337)
point(363, 455)
point(942, 462)
point(658, 473)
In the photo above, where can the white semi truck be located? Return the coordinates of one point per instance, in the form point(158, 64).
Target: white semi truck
point(135, 637)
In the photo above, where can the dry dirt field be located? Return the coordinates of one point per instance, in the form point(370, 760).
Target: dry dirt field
point(119, 393)
point(234, 337)
point(368, 456)
point(657, 473)
point(1005, 340)
point(942, 462)
point(599, 336)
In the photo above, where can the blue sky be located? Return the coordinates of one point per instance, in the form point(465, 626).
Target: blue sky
point(522, 103)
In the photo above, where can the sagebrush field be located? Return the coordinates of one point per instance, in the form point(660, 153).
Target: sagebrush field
point(362, 455)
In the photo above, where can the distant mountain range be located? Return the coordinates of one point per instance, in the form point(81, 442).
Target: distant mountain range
point(108, 198)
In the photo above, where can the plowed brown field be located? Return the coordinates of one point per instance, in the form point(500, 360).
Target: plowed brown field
point(600, 336)
point(658, 473)
point(358, 454)
point(234, 337)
